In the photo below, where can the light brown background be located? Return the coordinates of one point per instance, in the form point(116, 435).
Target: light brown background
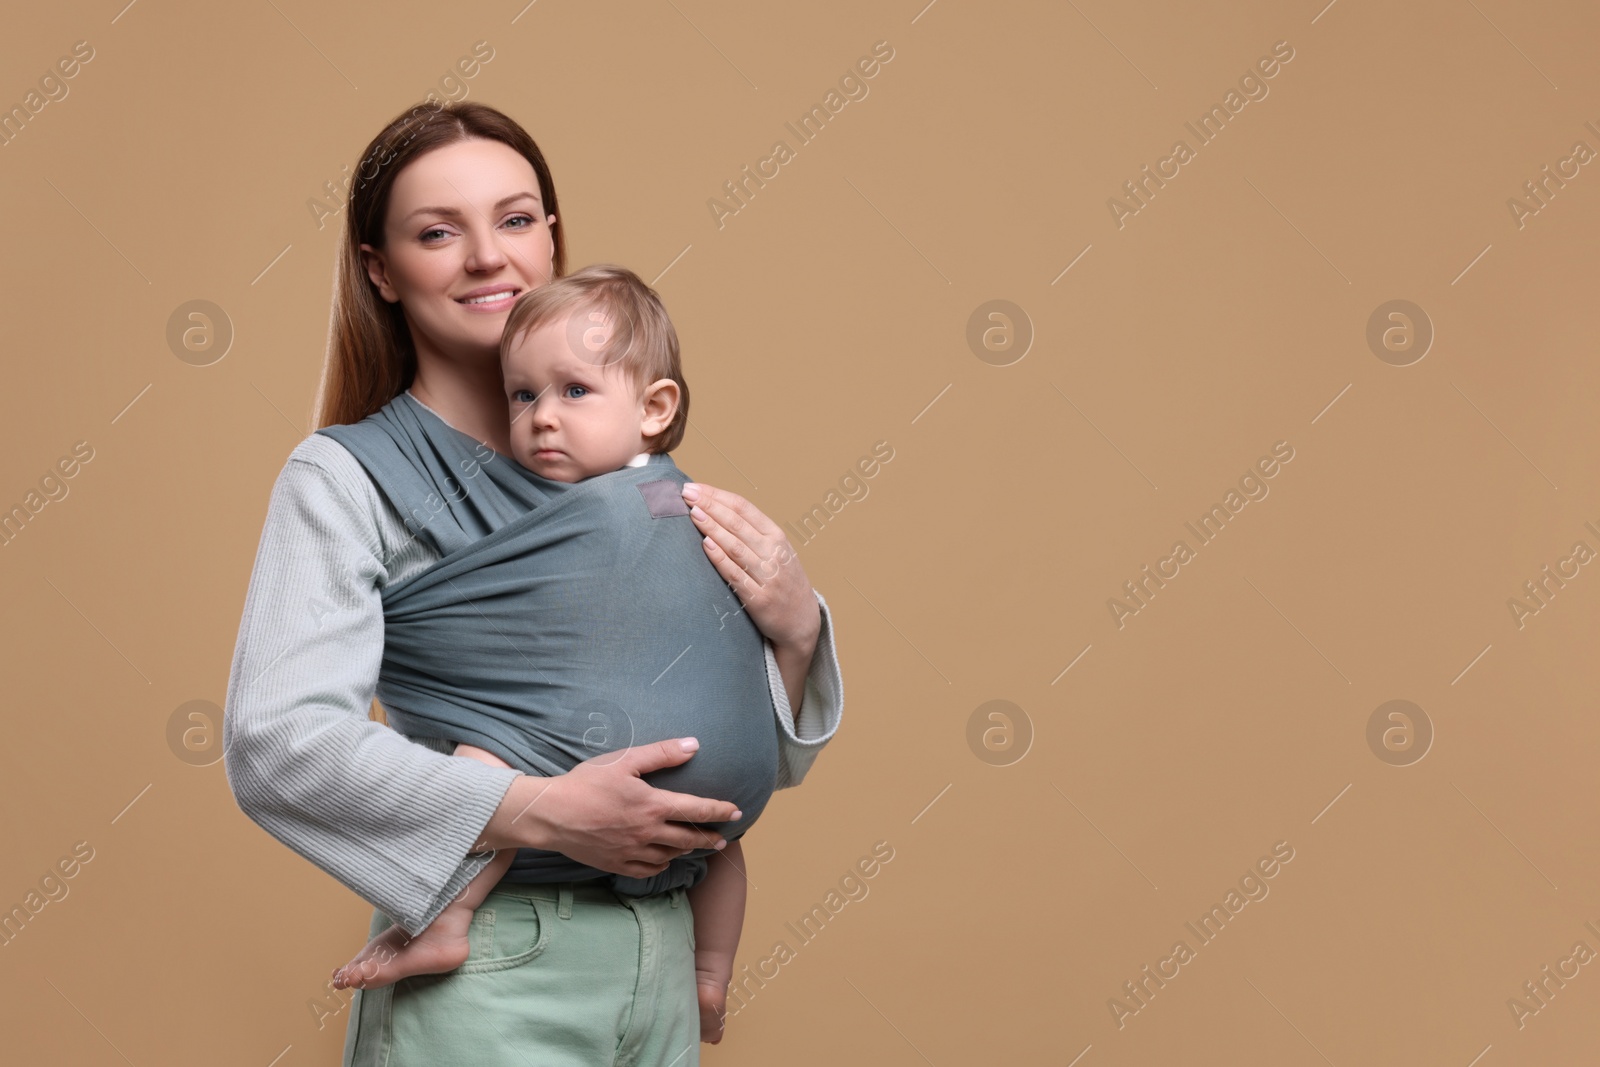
point(824, 317)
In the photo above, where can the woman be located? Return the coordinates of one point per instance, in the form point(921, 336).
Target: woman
point(450, 207)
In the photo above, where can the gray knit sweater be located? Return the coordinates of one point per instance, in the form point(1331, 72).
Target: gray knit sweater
point(390, 817)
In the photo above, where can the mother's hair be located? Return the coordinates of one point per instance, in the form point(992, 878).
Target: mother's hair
point(370, 358)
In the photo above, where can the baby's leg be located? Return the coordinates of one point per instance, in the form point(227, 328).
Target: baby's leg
point(395, 954)
point(717, 904)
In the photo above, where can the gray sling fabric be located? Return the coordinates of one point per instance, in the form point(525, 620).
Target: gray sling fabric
point(564, 621)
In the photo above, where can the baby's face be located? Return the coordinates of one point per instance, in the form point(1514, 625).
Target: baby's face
point(571, 417)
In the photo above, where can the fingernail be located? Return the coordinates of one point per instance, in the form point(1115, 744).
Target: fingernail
point(738, 814)
point(689, 744)
point(720, 845)
point(691, 492)
point(696, 512)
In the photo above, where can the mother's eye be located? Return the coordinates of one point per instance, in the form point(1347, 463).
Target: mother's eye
point(425, 235)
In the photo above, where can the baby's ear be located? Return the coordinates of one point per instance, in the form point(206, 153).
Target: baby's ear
point(660, 402)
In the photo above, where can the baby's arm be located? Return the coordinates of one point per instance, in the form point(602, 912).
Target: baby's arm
point(718, 906)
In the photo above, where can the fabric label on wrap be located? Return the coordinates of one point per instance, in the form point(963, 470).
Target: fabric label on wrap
point(663, 498)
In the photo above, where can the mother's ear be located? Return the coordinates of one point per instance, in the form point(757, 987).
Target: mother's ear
point(377, 268)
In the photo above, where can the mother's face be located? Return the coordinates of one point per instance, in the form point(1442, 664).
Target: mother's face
point(462, 219)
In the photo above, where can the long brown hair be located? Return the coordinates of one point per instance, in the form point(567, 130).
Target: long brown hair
point(371, 358)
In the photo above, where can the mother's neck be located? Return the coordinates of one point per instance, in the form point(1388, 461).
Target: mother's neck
point(469, 399)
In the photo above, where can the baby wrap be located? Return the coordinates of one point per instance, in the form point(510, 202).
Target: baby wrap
point(564, 621)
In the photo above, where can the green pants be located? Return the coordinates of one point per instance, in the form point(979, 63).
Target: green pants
point(559, 975)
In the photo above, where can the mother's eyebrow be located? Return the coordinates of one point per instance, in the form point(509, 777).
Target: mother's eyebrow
point(457, 212)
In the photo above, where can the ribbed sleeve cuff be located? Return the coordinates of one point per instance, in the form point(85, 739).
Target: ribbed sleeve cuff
point(435, 886)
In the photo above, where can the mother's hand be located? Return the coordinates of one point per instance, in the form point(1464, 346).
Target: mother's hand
point(601, 813)
point(753, 555)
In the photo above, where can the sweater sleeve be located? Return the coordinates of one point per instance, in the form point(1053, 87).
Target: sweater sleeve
point(391, 819)
point(801, 736)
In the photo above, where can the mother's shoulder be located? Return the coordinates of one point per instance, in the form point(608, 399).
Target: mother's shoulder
point(319, 464)
point(324, 484)
point(321, 450)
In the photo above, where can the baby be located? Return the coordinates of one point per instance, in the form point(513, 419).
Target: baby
point(581, 409)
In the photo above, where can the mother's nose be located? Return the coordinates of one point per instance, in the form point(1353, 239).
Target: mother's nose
point(485, 251)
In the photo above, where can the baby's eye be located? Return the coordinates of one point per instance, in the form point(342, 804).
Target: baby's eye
point(580, 391)
point(523, 396)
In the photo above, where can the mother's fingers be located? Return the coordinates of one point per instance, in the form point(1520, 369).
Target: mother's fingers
point(685, 814)
point(746, 538)
point(652, 859)
point(732, 572)
point(738, 517)
point(735, 507)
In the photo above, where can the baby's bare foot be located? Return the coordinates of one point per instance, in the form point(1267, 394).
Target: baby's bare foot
point(713, 1011)
point(394, 954)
